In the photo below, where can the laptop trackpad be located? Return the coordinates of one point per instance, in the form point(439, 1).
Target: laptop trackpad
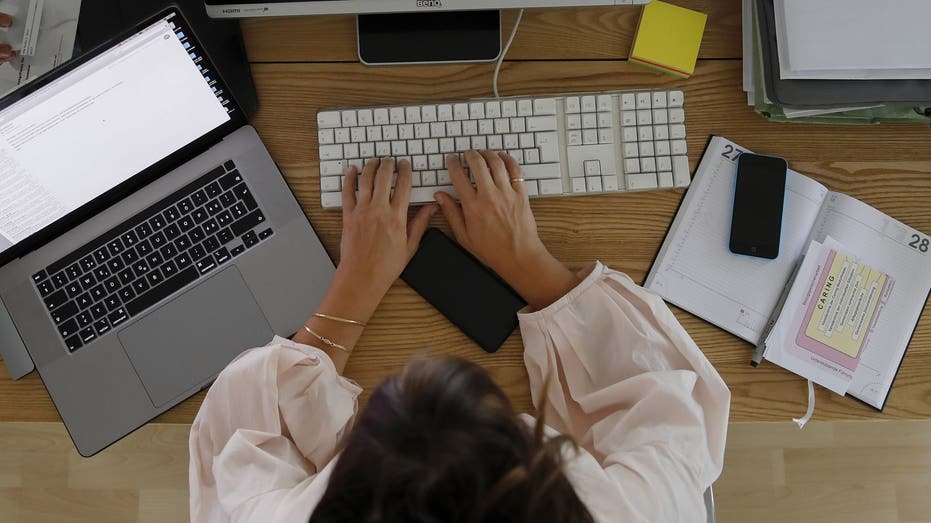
point(194, 336)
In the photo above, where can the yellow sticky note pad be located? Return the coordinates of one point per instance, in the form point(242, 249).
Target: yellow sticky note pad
point(668, 38)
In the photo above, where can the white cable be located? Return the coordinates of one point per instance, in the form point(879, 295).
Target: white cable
point(811, 407)
point(504, 52)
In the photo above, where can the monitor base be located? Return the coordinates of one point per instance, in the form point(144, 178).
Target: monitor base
point(429, 38)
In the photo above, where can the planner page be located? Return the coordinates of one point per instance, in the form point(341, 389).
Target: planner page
point(695, 269)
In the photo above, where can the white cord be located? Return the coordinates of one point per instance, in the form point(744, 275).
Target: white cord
point(504, 52)
point(811, 407)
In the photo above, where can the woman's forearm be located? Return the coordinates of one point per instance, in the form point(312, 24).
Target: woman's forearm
point(346, 299)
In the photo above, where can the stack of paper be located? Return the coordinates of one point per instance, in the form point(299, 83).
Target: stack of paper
point(854, 39)
point(829, 62)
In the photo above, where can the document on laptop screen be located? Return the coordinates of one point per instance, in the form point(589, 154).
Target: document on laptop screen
point(99, 125)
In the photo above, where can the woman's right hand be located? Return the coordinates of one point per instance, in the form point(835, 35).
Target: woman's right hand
point(495, 223)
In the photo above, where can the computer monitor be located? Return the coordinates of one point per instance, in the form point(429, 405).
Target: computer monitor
point(411, 31)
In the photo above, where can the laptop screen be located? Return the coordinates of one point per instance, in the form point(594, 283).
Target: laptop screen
point(101, 123)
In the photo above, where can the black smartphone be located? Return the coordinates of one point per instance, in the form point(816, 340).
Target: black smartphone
point(756, 224)
point(469, 294)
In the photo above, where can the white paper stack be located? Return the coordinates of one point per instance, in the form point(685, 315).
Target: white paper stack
point(854, 39)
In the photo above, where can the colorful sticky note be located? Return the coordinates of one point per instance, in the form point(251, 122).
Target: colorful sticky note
point(668, 38)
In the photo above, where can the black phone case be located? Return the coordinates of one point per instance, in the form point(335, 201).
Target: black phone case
point(472, 296)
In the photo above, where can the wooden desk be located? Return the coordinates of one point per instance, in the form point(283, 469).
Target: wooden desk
point(302, 65)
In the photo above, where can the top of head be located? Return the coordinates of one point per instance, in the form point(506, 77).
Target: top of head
point(243, 8)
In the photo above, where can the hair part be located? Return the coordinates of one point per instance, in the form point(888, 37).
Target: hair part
point(441, 443)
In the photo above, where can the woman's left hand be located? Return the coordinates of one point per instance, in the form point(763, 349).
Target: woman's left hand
point(378, 242)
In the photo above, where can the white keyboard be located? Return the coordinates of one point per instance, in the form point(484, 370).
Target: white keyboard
point(567, 145)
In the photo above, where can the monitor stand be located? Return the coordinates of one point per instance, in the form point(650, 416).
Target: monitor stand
point(429, 38)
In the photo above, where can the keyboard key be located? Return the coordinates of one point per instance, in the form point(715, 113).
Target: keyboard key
point(154, 277)
point(102, 326)
point(98, 292)
point(168, 269)
point(60, 280)
point(267, 233)
point(184, 207)
point(112, 285)
point(211, 244)
point(196, 235)
point(171, 214)
point(239, 249)
point(183, 260)
point(56, 299)
point(169, 251)
point(88, 280)
point(213, 207)
point(182, 243)
point(154, 260)
point(126, 276)
point(112, 303)
point(144, 248)
point(102, 273)
point(186, 223)
point(213, 190)
point(206, 265)
point(250, 238)
point(198, 252)
point(143, 230)
point(73, 271)
point(172, 231)
point(45, 288)
point(222, 256)
point(199, 216)
point(84, 319)
point(211, 226)
point(84, 301)
point(88, 335)
point(117, 317)
point(157, 221)
point(230, 180)
point(64, 312)
point(39, 276)
point(115, 265)
point(98, 311)
point(200, 197)
point(140, 286)
point(88, 263)
point(140, 268)
point(247, 222)
point(127, 294)
point(73, 289)
point(74, 343)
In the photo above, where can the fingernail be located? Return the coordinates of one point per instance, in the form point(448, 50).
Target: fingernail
point(5, 20)
point(439, 200)
point(6, 53)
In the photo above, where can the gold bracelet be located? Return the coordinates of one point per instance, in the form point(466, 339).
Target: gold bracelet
point(326, 341)
point(341, 320)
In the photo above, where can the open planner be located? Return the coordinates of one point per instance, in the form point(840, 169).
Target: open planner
point(840, 303)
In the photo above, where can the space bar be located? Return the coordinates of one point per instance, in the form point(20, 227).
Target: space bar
point(157, 294)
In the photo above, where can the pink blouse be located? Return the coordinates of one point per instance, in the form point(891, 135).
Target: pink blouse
point(645, 404)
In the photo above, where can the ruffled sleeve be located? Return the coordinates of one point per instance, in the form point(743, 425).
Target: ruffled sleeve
point(271, 421)
point(634, 389)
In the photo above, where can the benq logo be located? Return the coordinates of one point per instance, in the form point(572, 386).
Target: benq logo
point(429, 3)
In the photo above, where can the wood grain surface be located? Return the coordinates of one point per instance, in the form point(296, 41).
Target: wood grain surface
point(302, 65)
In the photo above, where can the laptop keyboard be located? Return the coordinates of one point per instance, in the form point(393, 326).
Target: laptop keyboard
point(144, 260)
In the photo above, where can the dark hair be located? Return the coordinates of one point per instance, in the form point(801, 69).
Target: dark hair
point(440, 443)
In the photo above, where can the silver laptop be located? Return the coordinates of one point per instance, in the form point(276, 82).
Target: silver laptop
point(146, 236)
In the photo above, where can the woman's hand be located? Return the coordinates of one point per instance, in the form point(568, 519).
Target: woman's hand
point(6, 52)
point(496, 224)
point(378, 242)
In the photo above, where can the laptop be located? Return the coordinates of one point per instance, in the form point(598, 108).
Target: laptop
point(146, 236)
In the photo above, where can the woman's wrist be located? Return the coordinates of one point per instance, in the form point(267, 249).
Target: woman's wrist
point(541, 279)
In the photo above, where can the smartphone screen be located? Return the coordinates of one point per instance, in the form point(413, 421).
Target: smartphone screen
point(756, 225)
point(469, 294)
